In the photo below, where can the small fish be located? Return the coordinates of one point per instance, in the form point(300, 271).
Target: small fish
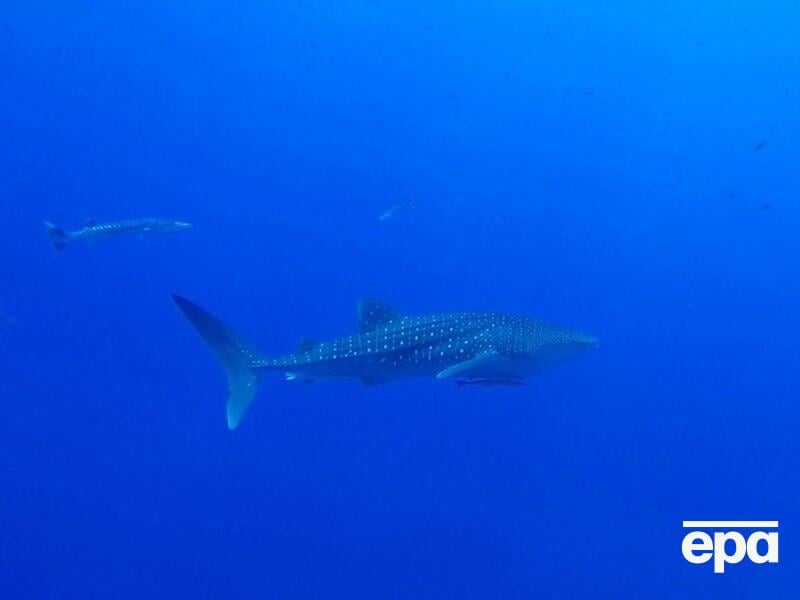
point(389, 214)
point(92, 230)
point(760, 145)
point(765, 206)
point(731, 195)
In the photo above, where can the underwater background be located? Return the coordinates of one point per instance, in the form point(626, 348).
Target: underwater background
point(626, 168)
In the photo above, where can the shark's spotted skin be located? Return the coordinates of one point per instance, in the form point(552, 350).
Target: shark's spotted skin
point(482, 348)
point(420, 346)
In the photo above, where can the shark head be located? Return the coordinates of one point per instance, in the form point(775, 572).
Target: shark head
point(570, 346)
point(536, 346)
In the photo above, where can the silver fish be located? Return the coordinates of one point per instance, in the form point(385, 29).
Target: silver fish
point(92, 230)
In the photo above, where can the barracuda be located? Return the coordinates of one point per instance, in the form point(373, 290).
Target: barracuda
point(92, 230)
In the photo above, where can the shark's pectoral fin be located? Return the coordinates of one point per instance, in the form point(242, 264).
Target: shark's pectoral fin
point(481, 365)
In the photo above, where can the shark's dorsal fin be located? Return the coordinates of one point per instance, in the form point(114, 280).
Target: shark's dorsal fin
point(90, 223)
point(373, 313)
point(307, 344)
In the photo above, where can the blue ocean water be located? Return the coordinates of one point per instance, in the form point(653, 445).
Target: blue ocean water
point(625, 168)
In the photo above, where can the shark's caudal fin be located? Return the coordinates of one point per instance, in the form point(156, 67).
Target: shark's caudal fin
point(236, 357)
point(58, 237)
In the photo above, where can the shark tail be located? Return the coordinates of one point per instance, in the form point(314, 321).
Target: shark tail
point(58, 237)
point(237, 357)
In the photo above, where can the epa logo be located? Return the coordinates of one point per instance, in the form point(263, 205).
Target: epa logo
point(729, 546)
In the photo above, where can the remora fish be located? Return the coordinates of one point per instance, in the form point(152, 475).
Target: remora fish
point(489, 348)
point(92, 230)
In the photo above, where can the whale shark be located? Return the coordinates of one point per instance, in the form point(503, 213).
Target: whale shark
point(92, 230)
point(480, 348)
